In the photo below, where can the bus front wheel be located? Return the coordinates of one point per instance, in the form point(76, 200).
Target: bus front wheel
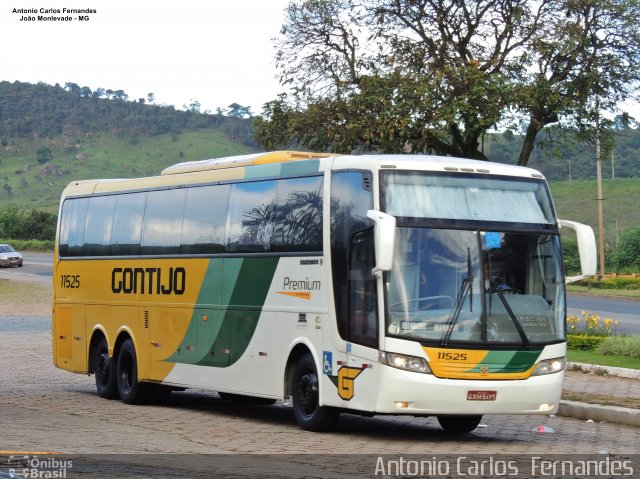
point(459, 424)
point(306, 405)
point(131, 390)
point(105, 371)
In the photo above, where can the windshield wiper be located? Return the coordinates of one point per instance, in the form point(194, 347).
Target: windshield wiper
point(496, 289)
point(467, 287)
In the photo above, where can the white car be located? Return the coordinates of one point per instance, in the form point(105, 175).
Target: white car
point(9, 256)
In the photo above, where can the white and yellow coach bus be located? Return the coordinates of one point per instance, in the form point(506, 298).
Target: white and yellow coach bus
point(400, 284)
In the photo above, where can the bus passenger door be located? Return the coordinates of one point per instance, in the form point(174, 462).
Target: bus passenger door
point(360, 378)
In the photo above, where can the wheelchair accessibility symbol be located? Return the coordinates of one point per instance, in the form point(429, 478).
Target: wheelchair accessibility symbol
point(327, 363)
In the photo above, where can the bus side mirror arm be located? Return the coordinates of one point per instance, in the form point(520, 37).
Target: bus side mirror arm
point(384, 234)
point(586, 249)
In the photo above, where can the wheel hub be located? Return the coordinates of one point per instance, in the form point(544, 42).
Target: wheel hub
point(103, 366)
point(308, 392)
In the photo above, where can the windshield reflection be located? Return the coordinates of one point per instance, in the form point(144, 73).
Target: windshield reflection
point(449, 286)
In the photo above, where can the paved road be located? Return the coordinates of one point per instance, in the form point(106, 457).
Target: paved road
point(38, 263)
point(626, 311)
point(46, 409)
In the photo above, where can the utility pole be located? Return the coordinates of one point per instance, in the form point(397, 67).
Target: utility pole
point(600, 199)
point(613, 166)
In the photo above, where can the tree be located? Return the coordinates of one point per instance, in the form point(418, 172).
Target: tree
point(236, 110)
point(44, 154)
point(120, 95)
point(72, 87)
point(274, 134)
point(194, 106)
point(626, 256)
point(398, 75)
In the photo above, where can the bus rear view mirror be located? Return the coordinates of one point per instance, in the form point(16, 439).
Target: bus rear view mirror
point(586, 249)
point(385, 236)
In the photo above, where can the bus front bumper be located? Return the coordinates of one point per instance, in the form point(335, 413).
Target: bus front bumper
point(405, 392)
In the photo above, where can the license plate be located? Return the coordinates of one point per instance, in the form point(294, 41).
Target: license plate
point(481, 395)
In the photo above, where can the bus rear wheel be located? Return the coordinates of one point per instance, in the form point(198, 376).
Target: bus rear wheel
point(105, 371)
point(306, 406)
point(130, 389)
point(459, 424)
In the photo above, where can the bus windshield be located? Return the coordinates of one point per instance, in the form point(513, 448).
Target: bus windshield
point(471, 279)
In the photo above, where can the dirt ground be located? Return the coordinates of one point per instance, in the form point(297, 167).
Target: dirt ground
point(25, 298)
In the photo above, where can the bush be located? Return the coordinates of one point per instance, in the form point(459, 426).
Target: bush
point(44, 154)
point(611, 282)
point(30, 245)
point(571, 256)
point(584, 342)
point(626, 256)
point(620, 346)
point(37, 225)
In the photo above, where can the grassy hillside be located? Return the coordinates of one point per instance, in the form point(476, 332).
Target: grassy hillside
point(28, 184)
point(621, 204)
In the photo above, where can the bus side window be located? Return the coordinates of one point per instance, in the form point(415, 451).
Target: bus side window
point(351, 198)
point(97, 234)
point(162, 222)
point(363, 317)
point(77, 226)
point(127, 224)
point(205, 211)
point(298, 224)
point(251, 217)
point(65, 226)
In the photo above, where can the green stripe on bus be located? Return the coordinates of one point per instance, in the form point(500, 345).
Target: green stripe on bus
point(237, 289)
point(507, 361)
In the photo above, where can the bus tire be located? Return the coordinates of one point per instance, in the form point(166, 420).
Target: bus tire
point(306, 393)
point(459, 424)
point(130, 389)
point(105, 371)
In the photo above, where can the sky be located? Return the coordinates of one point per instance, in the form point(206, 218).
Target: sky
point(216, 52)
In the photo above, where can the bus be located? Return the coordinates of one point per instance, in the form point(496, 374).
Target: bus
point(371, 284)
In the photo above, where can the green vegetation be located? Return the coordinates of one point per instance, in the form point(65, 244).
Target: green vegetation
point(631, 283)
point(623, 293)
point(577, 201)
point(37, 225)
point(593, 357)
point(46, 111)
point(583, 342)
point(620, 346)
point(33, 185)
point(438, 76)
point(29, 245)
point(595, 341)
point(50, 136)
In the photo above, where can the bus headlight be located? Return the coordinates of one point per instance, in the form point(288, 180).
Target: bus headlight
point(403, 361)
point(549, 366)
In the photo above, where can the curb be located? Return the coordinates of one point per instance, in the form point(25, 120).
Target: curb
point(610, 370)
point(598, 413)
